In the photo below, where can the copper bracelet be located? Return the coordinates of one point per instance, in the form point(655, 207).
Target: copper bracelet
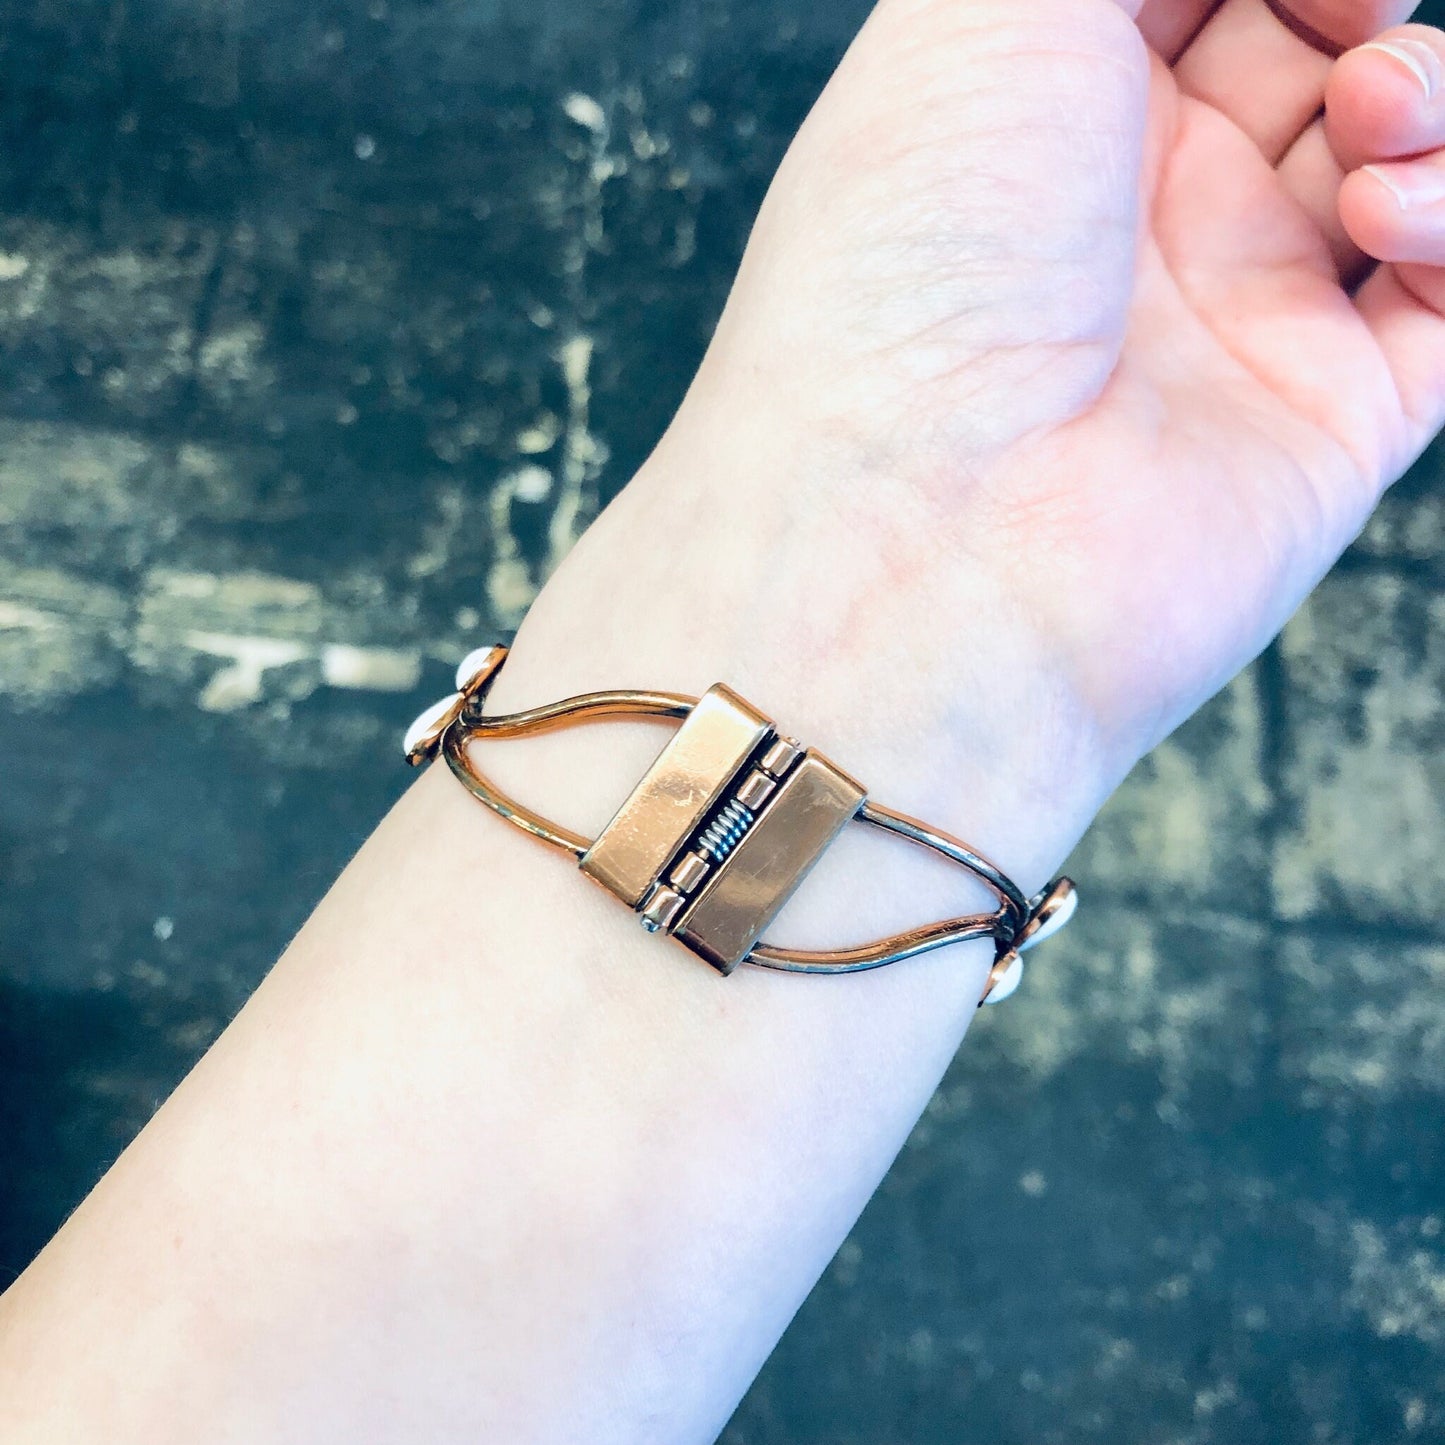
point(724, 826)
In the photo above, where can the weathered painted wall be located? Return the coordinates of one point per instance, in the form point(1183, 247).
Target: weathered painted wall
point(323, 330)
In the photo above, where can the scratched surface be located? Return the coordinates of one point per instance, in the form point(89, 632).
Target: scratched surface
point(325, 330)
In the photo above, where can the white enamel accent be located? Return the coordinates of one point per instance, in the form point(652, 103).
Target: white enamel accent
point(474, 664)
point(1013, 975)
point(1052, 924)
point(427, 726)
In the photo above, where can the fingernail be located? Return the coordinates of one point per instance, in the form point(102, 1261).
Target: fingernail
point(1418, 58)
point(1413, 184)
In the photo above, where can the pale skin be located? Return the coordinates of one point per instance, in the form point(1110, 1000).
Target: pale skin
point(1072, 346)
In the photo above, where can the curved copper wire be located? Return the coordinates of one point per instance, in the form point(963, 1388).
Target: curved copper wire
point(1003, 925)
point(454, 749)
point(950, 847)
point(875, 955)
point(588, 707)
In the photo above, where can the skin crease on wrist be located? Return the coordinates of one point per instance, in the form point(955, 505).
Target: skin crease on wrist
point(1058, 369)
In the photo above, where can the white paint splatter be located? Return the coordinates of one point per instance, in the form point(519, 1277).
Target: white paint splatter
point(586, 112)
point(250, 658)
point(1400, 1291)
point(369, 669)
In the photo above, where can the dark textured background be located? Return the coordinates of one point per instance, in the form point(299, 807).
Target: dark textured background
point(325, 327)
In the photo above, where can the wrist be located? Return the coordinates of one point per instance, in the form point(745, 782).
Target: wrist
point(707, 569)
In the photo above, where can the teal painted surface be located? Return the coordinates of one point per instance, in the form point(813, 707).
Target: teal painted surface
point(316, 319)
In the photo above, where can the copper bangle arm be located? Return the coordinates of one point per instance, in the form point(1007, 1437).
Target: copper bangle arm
point(724, 826)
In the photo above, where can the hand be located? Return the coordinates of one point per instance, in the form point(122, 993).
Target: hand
point(1058, 370)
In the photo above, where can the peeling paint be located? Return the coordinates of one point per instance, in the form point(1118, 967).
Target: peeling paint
point(1399, 1288)
point(294, 413)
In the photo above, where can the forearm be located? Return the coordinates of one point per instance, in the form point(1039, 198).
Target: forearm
point(1037, 408)
point(481, 1156)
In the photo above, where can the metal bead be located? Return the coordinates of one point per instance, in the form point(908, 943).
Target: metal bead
point(756, 790)
point(661, 908)
point(1067, 906)
point(424, 735)
point(478, 667)
point(689, 872)
point(1008, 982)
point(781, 756)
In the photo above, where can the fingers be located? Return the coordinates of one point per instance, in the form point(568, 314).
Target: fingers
point(1266, 66)
point(1387, 98)
point(1403, 305)
point(1396, 211)
point(1169, 25)
point(1311, 173)
point(1386, 127)
point(1384, 100)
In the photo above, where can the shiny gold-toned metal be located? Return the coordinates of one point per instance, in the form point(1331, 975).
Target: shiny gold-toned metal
point(660, 909)
point(589, 707)
point(780, 757)
point(1053, 900)
point(1001, 966)
point(477, 669)
point(424, 739)
point(766, 872)
point(999, 925)
point(756, 790)
point(474, 675)
point(676, 793)
point(690, 870)
point(761, 873)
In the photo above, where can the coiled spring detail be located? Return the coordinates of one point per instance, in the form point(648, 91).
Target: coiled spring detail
point(725, 831)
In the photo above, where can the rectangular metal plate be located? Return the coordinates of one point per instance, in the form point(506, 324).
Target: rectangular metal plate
point(688, 778)
point(733, 908)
